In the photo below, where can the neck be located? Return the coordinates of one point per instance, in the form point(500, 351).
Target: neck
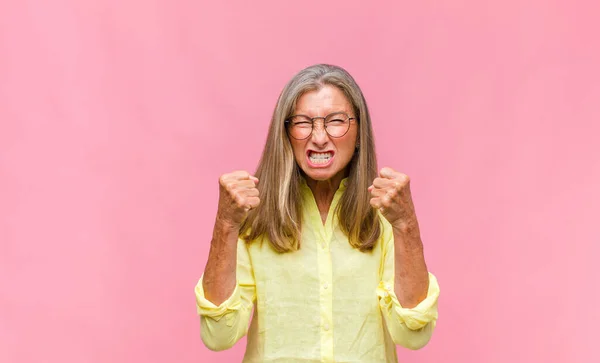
point(324, 190)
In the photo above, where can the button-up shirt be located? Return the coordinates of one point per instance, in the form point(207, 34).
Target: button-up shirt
point(326, 302)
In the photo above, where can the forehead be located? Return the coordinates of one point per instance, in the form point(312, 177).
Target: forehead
point(322, 102)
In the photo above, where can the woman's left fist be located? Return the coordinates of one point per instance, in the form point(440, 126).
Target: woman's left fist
point(390, 193)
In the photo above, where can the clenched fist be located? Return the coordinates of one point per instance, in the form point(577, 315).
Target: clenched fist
point(390, 193)
point(237, 195)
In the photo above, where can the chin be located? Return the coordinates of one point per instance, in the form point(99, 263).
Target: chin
point(319, 175)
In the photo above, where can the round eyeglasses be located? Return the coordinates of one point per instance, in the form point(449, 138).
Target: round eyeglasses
point(336, 124)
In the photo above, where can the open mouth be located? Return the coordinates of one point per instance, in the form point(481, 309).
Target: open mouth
point(320, 158)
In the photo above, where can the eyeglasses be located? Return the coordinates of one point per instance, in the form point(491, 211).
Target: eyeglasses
point(336, 124)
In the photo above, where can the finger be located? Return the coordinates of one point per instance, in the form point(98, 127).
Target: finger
point(391, 174)
point(242, 184)
point(229, 177)
point(252, 203)
point(392, 184)
point(375, 203)
point(237, 175)
point(253, 192)
point(382, 183)
point(381, 202)
point(388, 173)
point(386, 201)
point(377, 192)
point(241, 198)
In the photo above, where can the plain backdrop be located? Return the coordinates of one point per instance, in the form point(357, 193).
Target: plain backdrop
point(117, 118)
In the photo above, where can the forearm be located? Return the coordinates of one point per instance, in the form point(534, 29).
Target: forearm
point(219, 277)
point(411, 278)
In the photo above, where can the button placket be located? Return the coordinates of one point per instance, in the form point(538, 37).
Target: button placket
point(326, 297)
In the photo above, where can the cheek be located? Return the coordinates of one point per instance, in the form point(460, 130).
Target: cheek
point(298, 149)
point(348, 143)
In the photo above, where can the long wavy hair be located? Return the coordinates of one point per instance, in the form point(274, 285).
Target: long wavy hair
point(278, 218)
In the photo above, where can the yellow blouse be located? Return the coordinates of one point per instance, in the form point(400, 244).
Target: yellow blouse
point(326, 302)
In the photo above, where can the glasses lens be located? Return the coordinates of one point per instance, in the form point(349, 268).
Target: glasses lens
point(300, 127)
point(337, 124)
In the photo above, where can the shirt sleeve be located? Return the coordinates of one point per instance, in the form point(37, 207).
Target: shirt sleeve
point(222, 326)
point(409, 327)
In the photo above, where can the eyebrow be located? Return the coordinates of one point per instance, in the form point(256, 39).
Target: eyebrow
point(332, 113)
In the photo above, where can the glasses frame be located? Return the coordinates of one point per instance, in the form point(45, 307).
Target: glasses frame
point(288, 124)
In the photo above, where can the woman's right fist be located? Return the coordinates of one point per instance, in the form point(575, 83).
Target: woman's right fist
point(237, 195)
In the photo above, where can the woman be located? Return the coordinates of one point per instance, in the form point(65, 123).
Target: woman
point(325, 250)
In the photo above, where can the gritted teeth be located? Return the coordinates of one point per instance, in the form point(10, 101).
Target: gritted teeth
point(319, 158)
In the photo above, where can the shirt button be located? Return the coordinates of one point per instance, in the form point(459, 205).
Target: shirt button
point(326, 327)
point(325, 286)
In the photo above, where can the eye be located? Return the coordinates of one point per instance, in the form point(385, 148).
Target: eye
point(336, 121)
point(301, 124)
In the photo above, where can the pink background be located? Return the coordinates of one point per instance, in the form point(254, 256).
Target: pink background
point(117, 117)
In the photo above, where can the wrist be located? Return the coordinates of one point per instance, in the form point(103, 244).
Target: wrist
point(225, 229)
point(408, 226)
point(225, 224)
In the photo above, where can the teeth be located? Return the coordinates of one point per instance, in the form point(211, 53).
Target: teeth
point(319, 158)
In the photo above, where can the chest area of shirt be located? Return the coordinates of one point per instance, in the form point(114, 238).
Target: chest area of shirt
point(328, 262)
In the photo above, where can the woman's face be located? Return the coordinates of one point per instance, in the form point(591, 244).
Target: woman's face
point(321, 156)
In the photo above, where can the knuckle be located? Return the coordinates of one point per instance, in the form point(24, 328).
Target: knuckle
point(401, 183)
point(230, 187)
point(239, 200)
point(242, 174)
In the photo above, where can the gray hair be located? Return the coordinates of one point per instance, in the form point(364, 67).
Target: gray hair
point(278, 218)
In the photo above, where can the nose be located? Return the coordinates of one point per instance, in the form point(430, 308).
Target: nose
point(319, 135)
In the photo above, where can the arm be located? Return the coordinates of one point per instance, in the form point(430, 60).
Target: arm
point(219, 277)
point(408, 292)
point(410, 273)
point(223, 324)
point(410, 327)
point(226, 291)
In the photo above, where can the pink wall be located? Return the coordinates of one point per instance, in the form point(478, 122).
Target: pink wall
point(117, 117)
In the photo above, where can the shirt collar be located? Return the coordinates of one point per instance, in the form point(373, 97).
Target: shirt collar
point(341, 188)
